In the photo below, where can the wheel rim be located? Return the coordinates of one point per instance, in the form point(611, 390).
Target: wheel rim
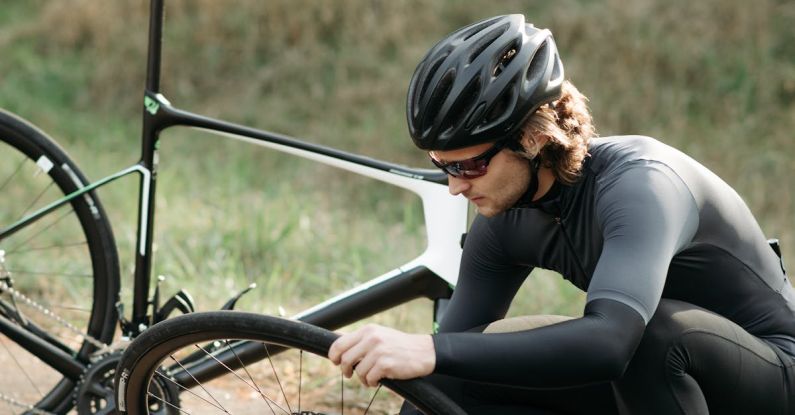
point(293, 381)
point(285, 362)
point(50, 277)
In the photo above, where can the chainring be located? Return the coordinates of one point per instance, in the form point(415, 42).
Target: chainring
point(94, 393)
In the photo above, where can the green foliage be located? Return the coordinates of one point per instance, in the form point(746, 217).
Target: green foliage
point(715, 78)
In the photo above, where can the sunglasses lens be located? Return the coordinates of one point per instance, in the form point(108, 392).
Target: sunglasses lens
point(470, 168)
point(467, 169)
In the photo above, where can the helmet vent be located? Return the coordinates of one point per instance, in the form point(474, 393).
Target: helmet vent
point(501, 106)
point(506, 58)
point(536, 69)
point(462, 108)
point(430, 73)
point(478, 28)
point(440, 93)
point(557, 69)
point(484, 42)
point(480, 82)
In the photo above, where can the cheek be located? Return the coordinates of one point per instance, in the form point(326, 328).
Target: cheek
point(514, 168)
point(514, 178)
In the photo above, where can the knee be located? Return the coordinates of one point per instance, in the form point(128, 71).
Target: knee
point(668, 323)
point(659, 348)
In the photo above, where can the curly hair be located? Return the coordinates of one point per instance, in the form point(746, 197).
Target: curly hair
point(568, 125)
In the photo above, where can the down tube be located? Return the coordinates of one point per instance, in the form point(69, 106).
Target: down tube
point(416, 283)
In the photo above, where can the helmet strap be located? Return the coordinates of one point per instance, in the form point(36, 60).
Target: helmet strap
point(532, 188)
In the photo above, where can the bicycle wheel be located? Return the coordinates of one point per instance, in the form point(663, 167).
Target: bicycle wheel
point(60, 274)
point(170, 357)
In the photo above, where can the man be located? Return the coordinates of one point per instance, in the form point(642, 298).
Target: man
point(688, 309)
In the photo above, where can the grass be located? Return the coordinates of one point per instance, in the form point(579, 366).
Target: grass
point(714, 78)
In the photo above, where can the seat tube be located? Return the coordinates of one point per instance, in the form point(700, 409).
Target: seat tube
point(155, 46)
point(152, 125)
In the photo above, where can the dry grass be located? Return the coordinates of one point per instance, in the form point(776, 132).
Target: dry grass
point(714, 78)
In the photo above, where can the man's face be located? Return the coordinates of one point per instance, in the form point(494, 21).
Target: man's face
point(505, 181)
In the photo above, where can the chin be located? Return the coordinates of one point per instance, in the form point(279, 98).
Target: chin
point(488, 211)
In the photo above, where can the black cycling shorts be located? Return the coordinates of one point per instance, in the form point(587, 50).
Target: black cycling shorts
point(690, 361)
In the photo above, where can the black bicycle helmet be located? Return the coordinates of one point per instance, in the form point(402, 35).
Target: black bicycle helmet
point(481, 82)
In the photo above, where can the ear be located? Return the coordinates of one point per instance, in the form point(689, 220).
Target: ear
point(533, 143)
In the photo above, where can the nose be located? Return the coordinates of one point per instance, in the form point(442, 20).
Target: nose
point(457, 185)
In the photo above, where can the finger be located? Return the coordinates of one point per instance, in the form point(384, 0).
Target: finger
point(365, 366)
point(352, 357)
point(375, 374)
point(379, 370)
point(342, 344)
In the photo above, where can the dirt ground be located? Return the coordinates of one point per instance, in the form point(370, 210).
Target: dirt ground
point(25, 379)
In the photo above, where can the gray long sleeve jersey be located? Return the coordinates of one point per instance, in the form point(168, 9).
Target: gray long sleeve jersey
point(644, 222)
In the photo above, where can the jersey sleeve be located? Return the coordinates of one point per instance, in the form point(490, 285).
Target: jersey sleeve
point(647, 215)
point(594, 348)
point(487, 281)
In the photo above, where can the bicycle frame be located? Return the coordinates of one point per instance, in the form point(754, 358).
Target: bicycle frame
point(446, 222)
point(432, 274)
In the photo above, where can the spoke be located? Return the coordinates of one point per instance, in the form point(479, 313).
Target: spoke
point(37, 198)
point(44, 248)
point(8, 180)
point(221, 407)
point(69, 307)
point(171, 404)
point(11, 311)
point(372, 399)
point(41, 230)
point(21, 368)
point(278, 381)
point(191, 392)
point(47, 312)
point(300, 371)
point(254, 387)
point(342, 394)
point(267, 400)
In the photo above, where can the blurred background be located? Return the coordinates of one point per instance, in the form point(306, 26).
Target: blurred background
point(715, 78)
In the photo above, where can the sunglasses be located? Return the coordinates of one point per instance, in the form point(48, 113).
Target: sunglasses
point(473, 167)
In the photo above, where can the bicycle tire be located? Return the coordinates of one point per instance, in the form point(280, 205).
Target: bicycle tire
point(144, 356)
point(90, 305)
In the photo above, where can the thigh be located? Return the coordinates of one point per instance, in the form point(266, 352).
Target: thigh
point(486, 399)
point(590, 399)
point(693, 361)
point(594, 399)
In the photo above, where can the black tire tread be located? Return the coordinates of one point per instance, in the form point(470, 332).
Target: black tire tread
point(213, 325)
point(30, 140)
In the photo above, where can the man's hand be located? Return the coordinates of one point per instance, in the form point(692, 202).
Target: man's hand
point(377, 352)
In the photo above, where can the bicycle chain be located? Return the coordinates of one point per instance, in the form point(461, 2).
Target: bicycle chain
point(102, 348)
point(40, 308)
point(29, 408)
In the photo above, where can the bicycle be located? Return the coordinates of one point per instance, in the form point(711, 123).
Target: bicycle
point(75, 341)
